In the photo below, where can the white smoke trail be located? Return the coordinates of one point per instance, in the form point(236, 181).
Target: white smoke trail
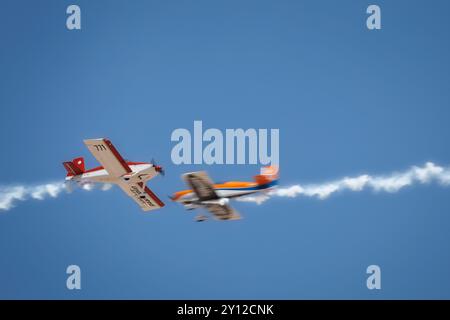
point(10, 195)
point(390, 183)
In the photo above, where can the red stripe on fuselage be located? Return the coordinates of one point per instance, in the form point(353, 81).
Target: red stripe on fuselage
point(130, 163)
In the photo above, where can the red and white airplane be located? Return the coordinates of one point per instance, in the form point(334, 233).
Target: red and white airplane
point(131, 177)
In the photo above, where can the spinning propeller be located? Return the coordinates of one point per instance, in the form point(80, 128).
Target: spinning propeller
point(158, 168)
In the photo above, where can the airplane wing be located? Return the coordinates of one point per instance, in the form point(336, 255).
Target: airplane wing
point(108, 156)
point(223, 212)
point(201, 184)
point(142, 195)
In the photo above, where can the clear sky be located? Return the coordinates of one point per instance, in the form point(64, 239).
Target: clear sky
point(346, 100)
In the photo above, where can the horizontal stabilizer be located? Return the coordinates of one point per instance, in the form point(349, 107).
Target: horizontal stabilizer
point(73, 169)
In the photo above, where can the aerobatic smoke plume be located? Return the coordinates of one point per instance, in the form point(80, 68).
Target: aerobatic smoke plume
point(383, 183)
point(9, 195)
point(429, 173)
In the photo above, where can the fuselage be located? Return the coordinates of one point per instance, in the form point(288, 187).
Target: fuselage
point(229, 190)
point(140, 172)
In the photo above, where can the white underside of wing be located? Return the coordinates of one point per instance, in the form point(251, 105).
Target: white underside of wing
point(144, 199)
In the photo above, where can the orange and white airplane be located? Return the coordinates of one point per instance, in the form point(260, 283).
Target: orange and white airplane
point(131, 177)
point(215, 197)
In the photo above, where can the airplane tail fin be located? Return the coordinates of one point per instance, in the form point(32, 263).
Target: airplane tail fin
point(75, 167)
point(267, 175)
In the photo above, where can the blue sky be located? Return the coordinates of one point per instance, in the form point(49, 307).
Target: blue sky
point(347, 101)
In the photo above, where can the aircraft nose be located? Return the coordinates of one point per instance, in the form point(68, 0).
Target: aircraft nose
point(160, 170)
